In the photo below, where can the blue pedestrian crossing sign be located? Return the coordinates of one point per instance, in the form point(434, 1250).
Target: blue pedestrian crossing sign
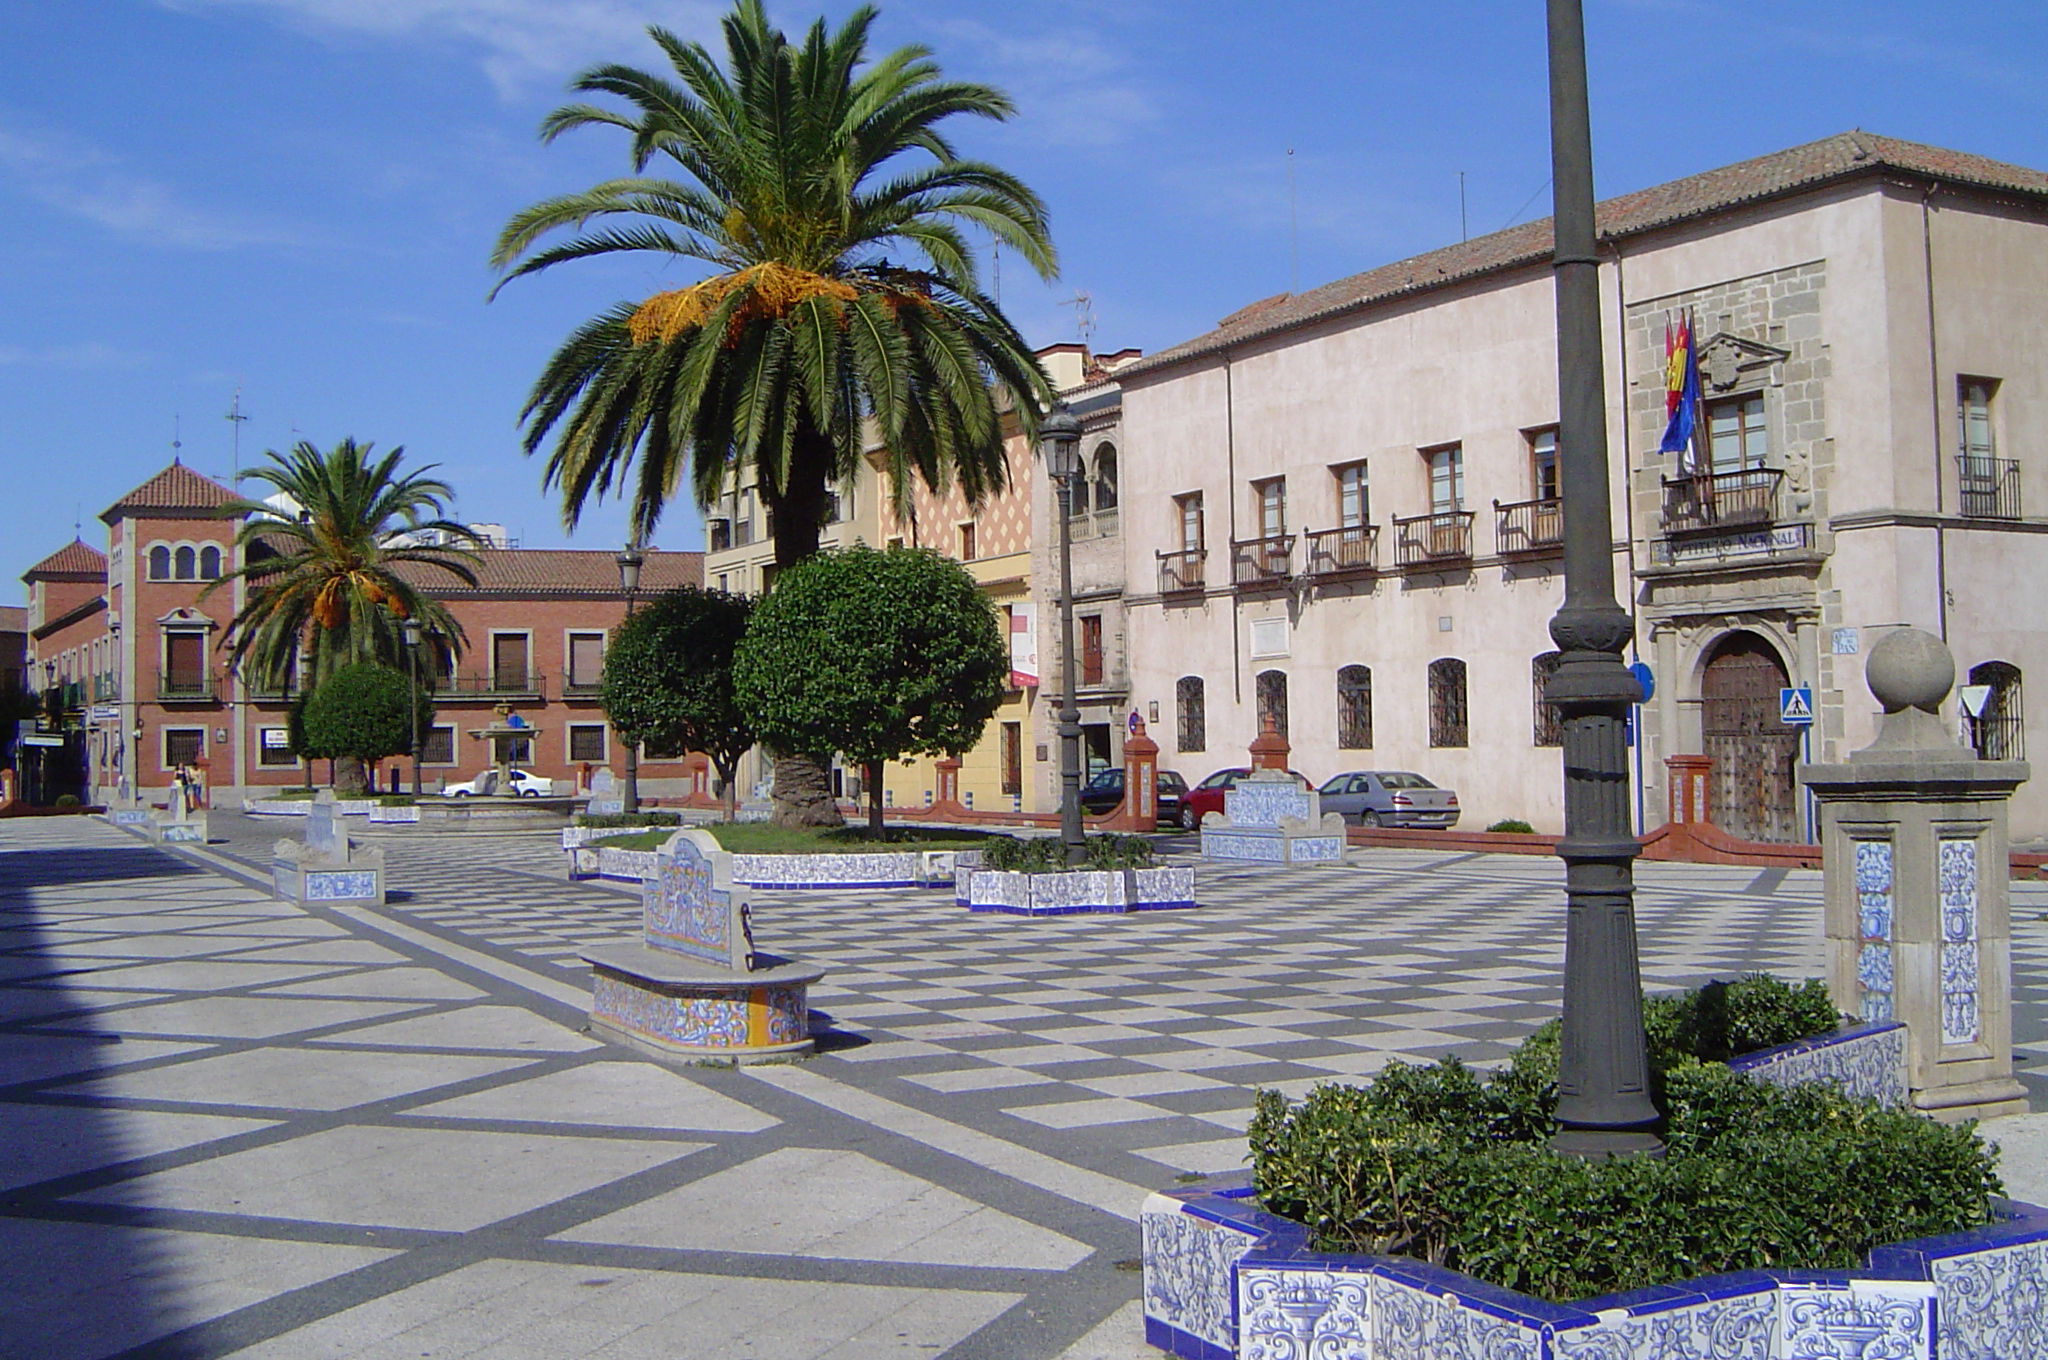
point(1795, 706)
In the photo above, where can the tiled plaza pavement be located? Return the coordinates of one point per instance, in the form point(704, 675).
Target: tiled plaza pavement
point(234, 1127)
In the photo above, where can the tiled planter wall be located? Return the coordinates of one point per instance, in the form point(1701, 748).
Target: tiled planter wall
point(1225, 1279)
point(868, 869)
point(1062, 894)
point(300, 807)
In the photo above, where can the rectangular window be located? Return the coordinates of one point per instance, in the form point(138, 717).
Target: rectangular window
point(437, 746)
point(274, 747)
point(1188, 508)
point(586, 660)
point(184, 746)
point(508, 662)
point(1091, 649)
point(513, 750)
point(1354, 500)
point(1973, 407)
point(1446, 478)
point(1543, 484)
point(185, 662)
point(586, 742)
point(1735, 433)
point(967, 552)
point(1271, 496)
point(1013, 758)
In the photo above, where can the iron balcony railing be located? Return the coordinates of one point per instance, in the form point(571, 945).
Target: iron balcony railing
point(503, 684)
point(1427, 540)
point(1528, 527)
point(1332, 552)
point(1990, 486)
point(1182, 571)
point(581, 685)
point(1262, 561)
point(184, 688)
point(1711, 501)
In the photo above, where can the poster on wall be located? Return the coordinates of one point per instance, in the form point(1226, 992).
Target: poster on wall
point(1023, 645)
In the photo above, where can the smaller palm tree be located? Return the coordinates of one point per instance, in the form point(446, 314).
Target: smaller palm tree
point(322, 562)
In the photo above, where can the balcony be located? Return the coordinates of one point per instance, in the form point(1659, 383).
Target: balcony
point(528, 685)
point(1183, 571)
point(1990, 486)
point(1342, 552)
point(1439, 540)
point(1712, 502)
point(1093, 524)
point(1528, 528)
point(184, 688)
point(581, 687)
point(1265, 561)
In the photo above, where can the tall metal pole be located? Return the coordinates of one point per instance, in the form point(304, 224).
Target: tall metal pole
point(1060, 435)
point(412, 648)
point(1603, 1107)
point(629, 576)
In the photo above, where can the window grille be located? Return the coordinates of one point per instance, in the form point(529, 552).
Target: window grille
point(1354, 708)
point(1447, 714)
point(1271, 691)
point(1548, 729)
point(1190, 709)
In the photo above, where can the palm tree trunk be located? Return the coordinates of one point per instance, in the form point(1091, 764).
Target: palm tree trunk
point(803, 787)
point(803, 793)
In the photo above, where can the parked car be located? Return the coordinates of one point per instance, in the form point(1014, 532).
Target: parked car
point(521, 785)
point(1106, 790)
point(1389, 798)
point(1207, 796)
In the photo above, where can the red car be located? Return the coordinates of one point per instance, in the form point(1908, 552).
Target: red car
point(1207, 796)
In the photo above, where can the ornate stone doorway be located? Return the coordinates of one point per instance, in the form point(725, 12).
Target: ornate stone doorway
point(1755, 794)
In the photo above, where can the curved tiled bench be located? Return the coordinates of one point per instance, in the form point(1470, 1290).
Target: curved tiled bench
point(856, 869)
point(1077, 891)
point(1224, 1280)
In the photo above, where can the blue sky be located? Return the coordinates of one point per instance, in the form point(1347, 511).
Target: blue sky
point(296, 197)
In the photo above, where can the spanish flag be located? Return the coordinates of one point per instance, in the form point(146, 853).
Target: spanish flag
point(1681, 391)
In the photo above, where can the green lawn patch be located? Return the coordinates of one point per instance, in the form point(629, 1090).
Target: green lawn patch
point(765, 838)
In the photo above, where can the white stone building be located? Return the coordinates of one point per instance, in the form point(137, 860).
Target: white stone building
point(1340, 505)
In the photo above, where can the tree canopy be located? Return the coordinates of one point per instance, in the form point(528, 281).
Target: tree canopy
point(668, 676)
point(361, 712)
point(878, 655)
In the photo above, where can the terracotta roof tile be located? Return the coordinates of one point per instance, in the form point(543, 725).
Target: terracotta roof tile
point(176, 488)
point(76, 558)
point(1834, 158)
point(558, 571)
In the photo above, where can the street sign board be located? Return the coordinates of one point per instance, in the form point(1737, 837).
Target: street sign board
point(1641, 671)
point(42, 739)
point(106, 713)
point(1795, 706)
point(1973, 698)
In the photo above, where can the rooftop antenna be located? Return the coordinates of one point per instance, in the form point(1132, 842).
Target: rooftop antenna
point(1293, 230)
point(235, 415)
point(1464, 234)
point(1083, 303)
point(177, 440)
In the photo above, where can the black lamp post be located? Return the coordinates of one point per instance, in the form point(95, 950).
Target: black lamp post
point(1059, 439)
point(1603, 1106)
point(629, 577)
point(411, 629)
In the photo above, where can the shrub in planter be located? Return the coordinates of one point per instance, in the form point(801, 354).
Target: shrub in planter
point(1440, 1164)
point(629, 819)
point(1514, 824)
point(66, 800)
point(1048, 855)
point(395, 800)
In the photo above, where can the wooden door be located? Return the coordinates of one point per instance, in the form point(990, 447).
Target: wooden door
point(1755, 794)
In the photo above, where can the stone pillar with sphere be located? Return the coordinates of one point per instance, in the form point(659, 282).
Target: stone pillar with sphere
point(1915, 860)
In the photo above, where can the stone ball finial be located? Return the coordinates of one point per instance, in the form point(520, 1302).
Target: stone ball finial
point(1910, 668)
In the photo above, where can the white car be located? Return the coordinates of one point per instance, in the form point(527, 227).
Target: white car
point(522, 785)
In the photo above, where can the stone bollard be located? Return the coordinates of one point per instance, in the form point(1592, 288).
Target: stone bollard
point(1913, 843)
point(1690, 782)
point(1139, 810)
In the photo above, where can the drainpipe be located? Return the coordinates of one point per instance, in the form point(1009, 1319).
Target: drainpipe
point(1934, 406)
point(1230, 525)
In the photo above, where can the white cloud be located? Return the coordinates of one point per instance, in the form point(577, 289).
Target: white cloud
point(84, 354)
point(78, 178)
point(1072, 88)
point(519, 42)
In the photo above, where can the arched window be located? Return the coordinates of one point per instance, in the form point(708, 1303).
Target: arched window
point(187, 564)
point(1078, 489)
point(1354, 708)
point(1998, 730)
point(160, 563)
point(1548, 726)
point(1191, 714)
point(1447, 720)
point(209, 563)
point(1270, 690)
point(1105, 477)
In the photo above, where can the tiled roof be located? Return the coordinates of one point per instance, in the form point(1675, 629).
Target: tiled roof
point(13, 619)
point(557, 571)
point(1840, 157)
point(76, 558)
point(177, 487)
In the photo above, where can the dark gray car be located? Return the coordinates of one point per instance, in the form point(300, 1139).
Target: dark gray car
point(1389, 798)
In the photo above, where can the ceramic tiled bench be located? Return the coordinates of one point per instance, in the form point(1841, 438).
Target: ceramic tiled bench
point(1225, 1280)
point(1065, 894)
point(862, 869)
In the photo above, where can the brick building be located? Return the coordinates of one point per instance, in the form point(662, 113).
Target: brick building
point(138, 658)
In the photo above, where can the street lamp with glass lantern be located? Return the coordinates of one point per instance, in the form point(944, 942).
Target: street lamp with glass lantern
point(1059, 442)
point(629, 577)
point(411, 629)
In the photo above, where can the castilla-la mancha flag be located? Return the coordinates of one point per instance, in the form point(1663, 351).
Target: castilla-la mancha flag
point(1681, 391)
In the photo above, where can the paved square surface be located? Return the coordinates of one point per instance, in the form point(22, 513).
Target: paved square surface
point(239, 1128)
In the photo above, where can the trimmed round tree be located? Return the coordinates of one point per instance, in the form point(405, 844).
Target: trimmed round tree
point(876, 655)
point(360, 713)
point(668, 677)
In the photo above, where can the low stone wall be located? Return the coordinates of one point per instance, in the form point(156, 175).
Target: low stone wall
point(1077, 891)
point(861, 869)
point(300, 807)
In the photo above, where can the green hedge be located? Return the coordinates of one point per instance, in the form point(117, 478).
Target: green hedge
point(1514, 824)
point(629, 819)
point(1441, 1164)
point(1048, 854)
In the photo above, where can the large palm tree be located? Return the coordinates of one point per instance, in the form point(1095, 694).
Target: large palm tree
point(804, 168)
point(321, 563)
